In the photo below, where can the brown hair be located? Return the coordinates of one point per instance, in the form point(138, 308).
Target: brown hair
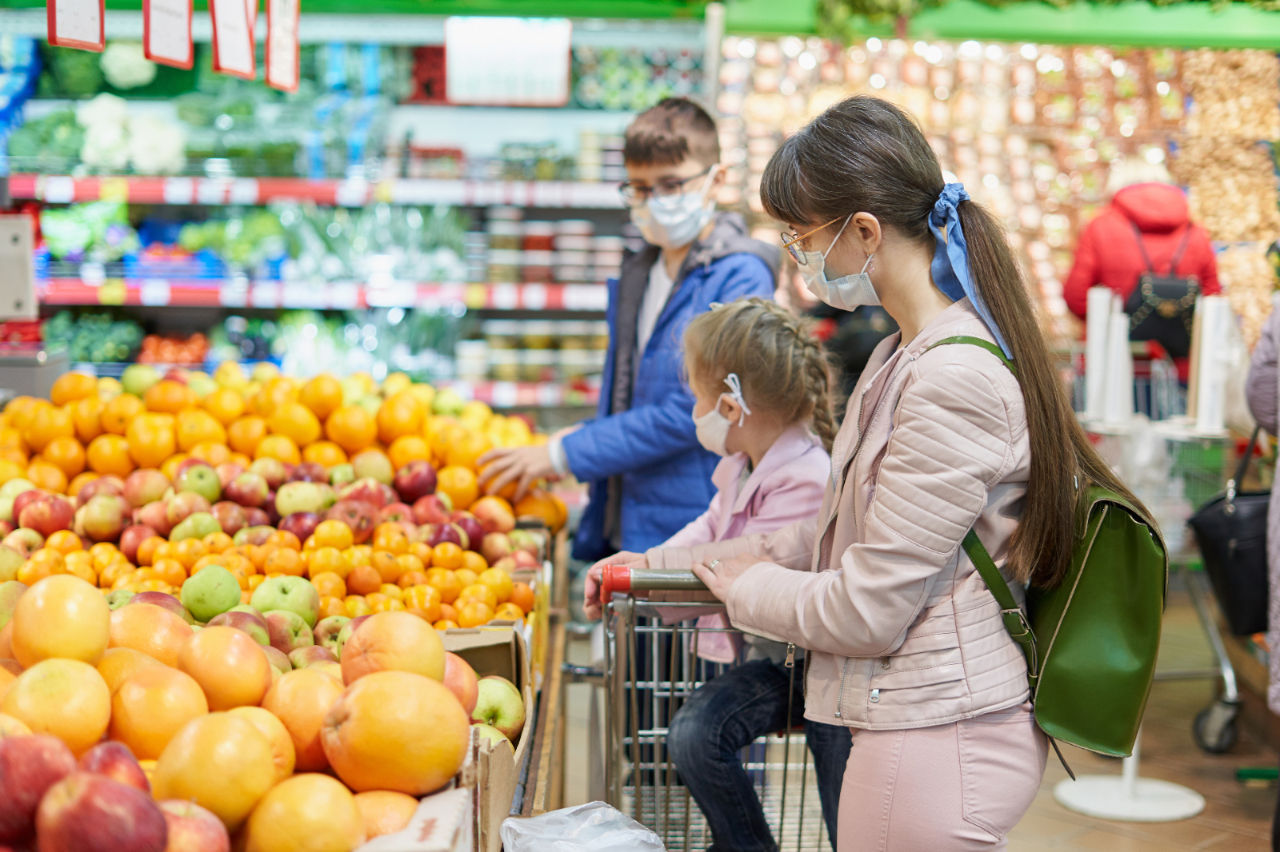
point(866, 155)
point(670, 132)
point(781, 365)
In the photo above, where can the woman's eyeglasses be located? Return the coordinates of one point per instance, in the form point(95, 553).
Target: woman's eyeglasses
point(790, 240)
point(665, 188)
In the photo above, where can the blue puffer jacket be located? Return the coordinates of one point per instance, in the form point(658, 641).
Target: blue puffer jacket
point(647, 454)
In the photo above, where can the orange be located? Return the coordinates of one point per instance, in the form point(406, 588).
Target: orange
point(20, 410)
point(197, 427)
point(409, 579)
point(75, 486)
point(65, 698)
point(400, 414)
point(441, 432)
point(392, 538)
point(506, 492)
point(409, 564)
point(397, 731)
point(447, 555)
point(424, 602)
point(364, 580)
point(275, 393)
point(459, 483)
point(148, 547)
point(119, 413)
point(466, 451)
point(329, 585)
point(221, 762)
point(332, 606)
point(278, 447)
point(392, 591)
point(508, 612)
point(422, 550)
point(188, 551)
point(31, 572)
point(548, 508)
point(327, 560)
point(119, 664)
point(86, 415)
point(479, 592)
point(170, 571)
point(47, 423)
point(311, 806)
point(301, 699)
point(285, 539)
point(64, 541)
point(352, 428)
point(216, 543)
point(229, 665)
point(324, 453)
point(245, 433)
point(473, 613)
point(284, 561)
point(466, 576)
point(70, 387)
point(11, 437)
point(385, 812)
point(150, 706)
point(224, 404)
point(408, 448)
point(47, 476)
point(169, 397)
point(522, 596)
point(384, 603)
point(384, 562)
point(151, 439)
point(445, 624)
point(444, 581)
point(500, 582)
point(277, 734)
point(472, 561)
point(214, 454)
point(323, 395)
point(153, 630)
point(295, 421)
point(66, 454)
point(333, 533)
point(355, 605)
point(60, 616)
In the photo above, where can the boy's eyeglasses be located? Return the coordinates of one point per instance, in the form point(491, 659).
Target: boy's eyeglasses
point(665, 188)
point(790, 240)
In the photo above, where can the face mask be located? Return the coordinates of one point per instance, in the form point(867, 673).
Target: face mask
point(712, 428)
point(675, 222)
point(846, 292)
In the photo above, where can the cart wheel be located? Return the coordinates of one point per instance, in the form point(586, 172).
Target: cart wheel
point(1215, 726)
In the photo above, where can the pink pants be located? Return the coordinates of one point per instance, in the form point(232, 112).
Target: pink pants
point(951, 787)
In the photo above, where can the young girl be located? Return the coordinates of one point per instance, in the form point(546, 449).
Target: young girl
point(761, 383)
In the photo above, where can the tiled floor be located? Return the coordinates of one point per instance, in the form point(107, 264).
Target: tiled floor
point(1236, 817)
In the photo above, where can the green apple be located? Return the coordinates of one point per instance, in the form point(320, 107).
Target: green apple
point(197, 525)
point(119, 598)
point(341, 474)
point(293, 594)
point(138, 378)
point(210, 591)
point(10, 561)
point(296, 497)
point(9, 492)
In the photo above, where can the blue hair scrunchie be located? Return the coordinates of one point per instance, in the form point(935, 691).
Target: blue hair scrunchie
point(950, 266)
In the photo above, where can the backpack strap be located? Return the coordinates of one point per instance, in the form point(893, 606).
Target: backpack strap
point(1142, 248)
point(1182, 249)
point(979, 342)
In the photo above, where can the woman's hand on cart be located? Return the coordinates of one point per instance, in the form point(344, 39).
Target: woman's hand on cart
point(719, 574)
point(591, 602)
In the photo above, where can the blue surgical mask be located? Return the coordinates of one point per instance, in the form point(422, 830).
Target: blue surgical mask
point(846, 292)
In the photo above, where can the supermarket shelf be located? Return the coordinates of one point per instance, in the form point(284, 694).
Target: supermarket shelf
point(199, 293)
point(527, 394)
point(63, 189)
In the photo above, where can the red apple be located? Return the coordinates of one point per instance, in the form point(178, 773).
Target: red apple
point(310, 655)
point(145, 486)
point(156, 516)
point(193, 828)
point(24, 541)
point(29, 765)
point(461, 680)
point(188, 463)
point(162, 600)
point(507, 564)
point(6, 527)
point(432, 509)
point(245, 620)
point(255, 517)
point(103, 518)
point(470, 527)
point(227, 471)
point(183, 505)
point(102, 485)
point(249, 489)
point(258, 534)
point(309, 472)
point(47, 516)
point(301, 524)
point(279, 659)
point(133, 536)
point(115, 760)
point(415, 480)
point(397, 513)
point(360, 517)
point(442, 533)
point(177, 374)
point(526, 561)
point(369, 490)
point(230, 516)
point(494, 515)
point(495, 547)
point(25, 499)
point(272, 470)
point(526, 541)
point(93, 813)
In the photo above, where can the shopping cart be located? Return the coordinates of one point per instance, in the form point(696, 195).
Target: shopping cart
point(651, 668)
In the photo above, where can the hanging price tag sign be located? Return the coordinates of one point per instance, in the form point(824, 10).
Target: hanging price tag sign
point(282, 44)
point(533, 69)
point(77, 23)
point(232, 38)
point(166, 32)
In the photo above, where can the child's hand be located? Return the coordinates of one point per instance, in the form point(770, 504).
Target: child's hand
point(591, 602)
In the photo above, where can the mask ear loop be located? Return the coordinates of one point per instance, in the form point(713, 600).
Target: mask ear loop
point(735, 391)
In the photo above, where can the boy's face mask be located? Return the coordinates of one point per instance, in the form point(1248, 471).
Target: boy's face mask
point(713, 427)
point(674, 221)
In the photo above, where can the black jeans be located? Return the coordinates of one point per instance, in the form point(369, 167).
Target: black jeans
point(723, 717)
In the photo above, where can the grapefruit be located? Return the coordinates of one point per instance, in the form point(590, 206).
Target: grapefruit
point(385, 812)
point(276, 733)
point(61, 616)
point(150, 706)
point(308, 812)
point(154, 631)
point(393, 641)
point(219, 761)
point(65, 698)
point(301, 699)
point(118, 664)
point(229, 665)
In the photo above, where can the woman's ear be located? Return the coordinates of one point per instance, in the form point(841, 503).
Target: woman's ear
point(866, 229)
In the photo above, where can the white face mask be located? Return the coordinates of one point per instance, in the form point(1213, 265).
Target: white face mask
point(676, 221)
point(846, 292)
point(712, 428)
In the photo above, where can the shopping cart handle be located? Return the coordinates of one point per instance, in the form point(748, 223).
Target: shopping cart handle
point(614, 578)
point(624, 579)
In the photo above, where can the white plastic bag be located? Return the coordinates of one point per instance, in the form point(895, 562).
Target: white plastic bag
point(593, 827)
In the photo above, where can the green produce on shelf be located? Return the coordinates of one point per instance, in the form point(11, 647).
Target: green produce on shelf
point(94, 337)
point(47, 145)
point(97, 231)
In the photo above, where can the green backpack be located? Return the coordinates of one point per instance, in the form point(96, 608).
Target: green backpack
point(1090, 642)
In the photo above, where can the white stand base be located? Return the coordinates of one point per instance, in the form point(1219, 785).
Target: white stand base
point(1128, 797)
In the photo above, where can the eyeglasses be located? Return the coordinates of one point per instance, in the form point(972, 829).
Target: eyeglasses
point(790, 240)
point(665, 188)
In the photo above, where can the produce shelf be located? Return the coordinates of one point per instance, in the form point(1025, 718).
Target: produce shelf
point(233, 293)
point(64, 189)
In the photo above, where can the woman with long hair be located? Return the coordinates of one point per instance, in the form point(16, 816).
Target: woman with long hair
point(906, 644)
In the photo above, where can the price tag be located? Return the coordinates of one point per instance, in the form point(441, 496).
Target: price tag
point(265, 294)
point(113, 189)
point(344, 297)
point(505, 394)
point(505, 297)
point(234, 294)
point(243, 191)
point(533, 69)
point(232, 38)
point(477, 297)
point(77, 23)
point(535, 297)
point(352, 193)
point(578, 297)
point(384, 191)
point(282, 44)
point(211, 191)
point(155, 291)
point(179, 191)
point(112, 292)
point(93, 273)
point(59, 190)
point(166, 32)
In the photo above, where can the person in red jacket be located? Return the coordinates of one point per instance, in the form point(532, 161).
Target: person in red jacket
point(1109, 254)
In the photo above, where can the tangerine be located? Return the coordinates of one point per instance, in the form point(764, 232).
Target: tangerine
point(169, 397)
point(364, 580)
point(522, 596)
point(119, 413)
point(333, 534)
point(214, 454)
point(327, 560)
point(423, 601)
point(246, 433)
point(330, 585)
point(225, 405)
point(473, 613)
point(48, 423)
point(408, 448)
point(544, 506)
point(466, 451)
point(459, 484)
point(324, 453)
point(86, 414)
point(280, 447)
point(73, 386)
point(323, 395)
point(400, 414)
point(151, 439)
point(296, 422)
point(197, 427)
point(352, 428)
point(66, 454)
point(443, 581)
point(447, 555)
point(47, 476)
point(284, 561)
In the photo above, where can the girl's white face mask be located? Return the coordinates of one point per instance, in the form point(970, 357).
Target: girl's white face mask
point(846, 292)
point(713, 427)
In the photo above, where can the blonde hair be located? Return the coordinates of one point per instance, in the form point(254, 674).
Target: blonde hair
point(781, 365)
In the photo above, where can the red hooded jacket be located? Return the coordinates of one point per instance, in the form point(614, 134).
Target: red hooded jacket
point(1108, 252)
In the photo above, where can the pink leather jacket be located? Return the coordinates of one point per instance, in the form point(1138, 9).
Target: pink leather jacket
point(901, 630)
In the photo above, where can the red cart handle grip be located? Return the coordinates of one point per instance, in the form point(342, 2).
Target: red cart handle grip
point(614, 578)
